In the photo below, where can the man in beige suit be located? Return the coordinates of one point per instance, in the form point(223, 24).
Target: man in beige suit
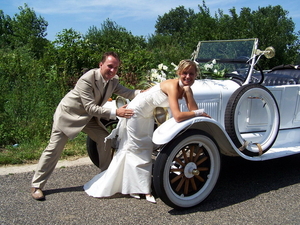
point(81, 110)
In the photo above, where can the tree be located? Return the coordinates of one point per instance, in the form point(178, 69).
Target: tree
point(186, 28)
point(167, 49)
point(29, 96)
point(271, 25)
point(111, 36)
point(5, 30)
point(135, 58)
point(24, 29)
point(274, 28)
point(72, 55)
point(175, 22)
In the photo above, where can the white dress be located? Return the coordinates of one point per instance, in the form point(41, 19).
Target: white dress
point(131, 167)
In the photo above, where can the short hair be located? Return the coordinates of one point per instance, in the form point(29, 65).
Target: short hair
point(113, 54)
point(187, 64)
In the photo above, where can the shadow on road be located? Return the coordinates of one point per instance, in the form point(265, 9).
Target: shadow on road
point(60, 190)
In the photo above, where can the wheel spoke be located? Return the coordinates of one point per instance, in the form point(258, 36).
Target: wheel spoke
point(185, 156)
point(186, 186)
point(202, 169)
point(200, 150)
point(180, 184)
point(179, 161)
point(193, 184)
point(201, 160)
point(176, 178)
point(192, 147)
point(200, 178)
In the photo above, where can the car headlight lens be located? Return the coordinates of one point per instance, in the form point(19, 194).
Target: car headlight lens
point(160, 115)
point(120, 101)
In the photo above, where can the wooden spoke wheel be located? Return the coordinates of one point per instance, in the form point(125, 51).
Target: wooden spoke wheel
point(187, 169)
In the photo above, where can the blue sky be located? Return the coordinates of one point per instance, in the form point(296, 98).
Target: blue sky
point(137, 16)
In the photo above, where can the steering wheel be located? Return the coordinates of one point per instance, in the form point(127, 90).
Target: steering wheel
point(235, 77)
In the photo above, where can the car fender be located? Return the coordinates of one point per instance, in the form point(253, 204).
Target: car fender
point(170, 129)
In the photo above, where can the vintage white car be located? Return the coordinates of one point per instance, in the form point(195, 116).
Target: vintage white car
point(255, 115)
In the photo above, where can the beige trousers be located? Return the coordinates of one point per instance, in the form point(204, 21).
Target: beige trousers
point(58, 140)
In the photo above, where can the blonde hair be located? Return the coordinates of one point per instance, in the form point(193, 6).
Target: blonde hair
point(186, 64)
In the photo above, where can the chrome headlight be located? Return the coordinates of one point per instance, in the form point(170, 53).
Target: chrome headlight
point(120, 101)
point(160, 115)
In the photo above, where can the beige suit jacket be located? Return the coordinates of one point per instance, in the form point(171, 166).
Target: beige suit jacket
point(86, 100)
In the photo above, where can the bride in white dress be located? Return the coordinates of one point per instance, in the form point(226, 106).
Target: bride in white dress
point(131, 167)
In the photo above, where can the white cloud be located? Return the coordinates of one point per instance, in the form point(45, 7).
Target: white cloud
point(138, 16)
point(119, 9)
point(143, 9)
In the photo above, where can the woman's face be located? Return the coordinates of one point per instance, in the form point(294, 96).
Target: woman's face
point(188, 76)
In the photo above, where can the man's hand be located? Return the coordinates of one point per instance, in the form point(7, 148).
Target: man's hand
point(123, 112)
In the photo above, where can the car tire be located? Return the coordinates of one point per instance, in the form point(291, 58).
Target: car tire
point(187, 169)
point(92, 145)
point(252, 119)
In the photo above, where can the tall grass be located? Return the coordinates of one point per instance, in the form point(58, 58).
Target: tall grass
point(31, 151)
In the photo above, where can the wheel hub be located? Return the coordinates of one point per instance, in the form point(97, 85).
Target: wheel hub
point(190, 170)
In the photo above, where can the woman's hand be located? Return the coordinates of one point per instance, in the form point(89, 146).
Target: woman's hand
point(200, 112)
point(187, 89)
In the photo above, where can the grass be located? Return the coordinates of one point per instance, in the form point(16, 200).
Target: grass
point(31, 152)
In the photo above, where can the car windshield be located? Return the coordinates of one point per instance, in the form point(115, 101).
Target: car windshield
point(225, 56)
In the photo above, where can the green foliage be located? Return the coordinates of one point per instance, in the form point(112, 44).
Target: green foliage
point(29, 97)
point(271, 25)
point(135, 65)
point(72, 55)
point(112, 37)
point(136, 59)
point(167, 49)
point(24, 29)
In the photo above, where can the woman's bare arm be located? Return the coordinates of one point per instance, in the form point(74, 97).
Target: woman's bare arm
point(170, 87)
point(189, 98)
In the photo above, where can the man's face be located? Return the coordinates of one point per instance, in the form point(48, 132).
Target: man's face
point(109, 68)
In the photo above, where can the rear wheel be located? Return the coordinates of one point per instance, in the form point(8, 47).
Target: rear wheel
point(92, 145)
point(187, 169)
point(252, 119)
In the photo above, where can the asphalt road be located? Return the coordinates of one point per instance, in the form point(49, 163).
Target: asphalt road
point(247, 193)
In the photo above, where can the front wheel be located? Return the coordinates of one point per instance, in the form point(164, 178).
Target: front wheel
point(187, 169)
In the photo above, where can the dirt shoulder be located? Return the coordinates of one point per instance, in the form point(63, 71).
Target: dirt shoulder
point(12, 169)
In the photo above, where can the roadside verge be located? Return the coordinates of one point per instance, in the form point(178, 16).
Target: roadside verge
point(12, 169)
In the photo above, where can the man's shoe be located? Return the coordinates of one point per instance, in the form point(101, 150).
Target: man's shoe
point(37, 194)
